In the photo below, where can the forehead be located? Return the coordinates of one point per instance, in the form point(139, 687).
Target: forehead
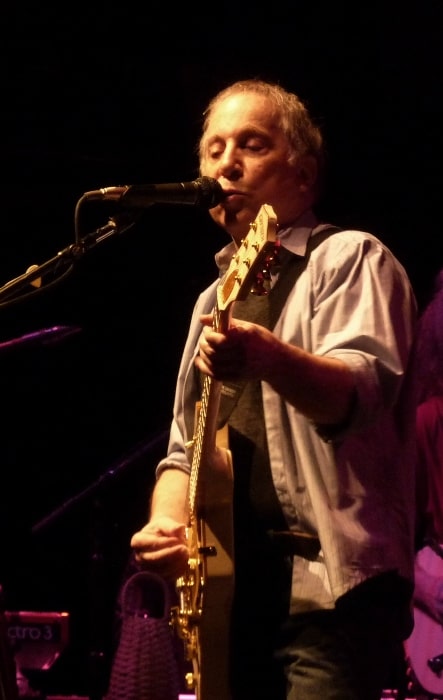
point(243, 110)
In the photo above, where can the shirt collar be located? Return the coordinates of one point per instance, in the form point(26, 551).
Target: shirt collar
point(295, 237)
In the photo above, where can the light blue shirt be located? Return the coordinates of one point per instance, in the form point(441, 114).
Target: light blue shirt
point(352, 486)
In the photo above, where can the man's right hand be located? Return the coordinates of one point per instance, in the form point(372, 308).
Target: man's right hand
point(160, 546)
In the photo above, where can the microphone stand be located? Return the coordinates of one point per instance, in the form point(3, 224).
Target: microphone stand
point(97, 656)
point(61, 264)
point(66, 257)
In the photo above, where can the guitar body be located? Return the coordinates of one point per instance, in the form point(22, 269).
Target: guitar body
point(424, 647)
point(215, 524)
point(205, 591)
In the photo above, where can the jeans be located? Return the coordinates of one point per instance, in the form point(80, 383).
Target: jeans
point(351, 652)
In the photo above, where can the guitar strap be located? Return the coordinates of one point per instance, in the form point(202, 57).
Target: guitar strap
point(265, 310)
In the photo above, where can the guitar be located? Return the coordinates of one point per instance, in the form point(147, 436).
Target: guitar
point(205, 591)
point(424, 647)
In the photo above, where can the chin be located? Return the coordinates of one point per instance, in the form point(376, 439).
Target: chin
point(236, 221)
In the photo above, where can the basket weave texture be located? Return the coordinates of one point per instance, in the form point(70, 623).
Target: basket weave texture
point(146, 664)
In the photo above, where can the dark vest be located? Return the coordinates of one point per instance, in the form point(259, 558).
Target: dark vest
point(242, 407)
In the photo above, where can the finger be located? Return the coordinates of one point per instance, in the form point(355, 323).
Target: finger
point(206, 319)
point(168, 563)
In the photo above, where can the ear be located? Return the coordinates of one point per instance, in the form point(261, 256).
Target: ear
point(307, 173)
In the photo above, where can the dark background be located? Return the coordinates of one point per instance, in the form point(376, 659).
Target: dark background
point(94, 96)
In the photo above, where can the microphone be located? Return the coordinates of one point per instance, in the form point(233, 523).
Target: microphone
point(204, 192)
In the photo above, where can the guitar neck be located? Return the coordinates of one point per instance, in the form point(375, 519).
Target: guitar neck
point(247, 270)
point(206, 418)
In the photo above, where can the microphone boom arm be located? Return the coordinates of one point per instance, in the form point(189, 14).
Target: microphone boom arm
point(203, 192)
point(65, 258)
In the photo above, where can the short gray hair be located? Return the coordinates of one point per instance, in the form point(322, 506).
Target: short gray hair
point(304, 137)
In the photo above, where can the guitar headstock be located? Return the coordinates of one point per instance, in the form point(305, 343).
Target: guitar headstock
point(251, 260)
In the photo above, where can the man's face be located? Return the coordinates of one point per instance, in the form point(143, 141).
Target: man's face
point(246, 151)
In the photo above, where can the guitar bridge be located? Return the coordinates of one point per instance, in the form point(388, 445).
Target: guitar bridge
point(208, 551)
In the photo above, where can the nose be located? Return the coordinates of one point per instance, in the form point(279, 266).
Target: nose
point(230, 166)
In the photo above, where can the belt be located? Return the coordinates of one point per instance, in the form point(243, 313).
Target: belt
point(295, 543)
